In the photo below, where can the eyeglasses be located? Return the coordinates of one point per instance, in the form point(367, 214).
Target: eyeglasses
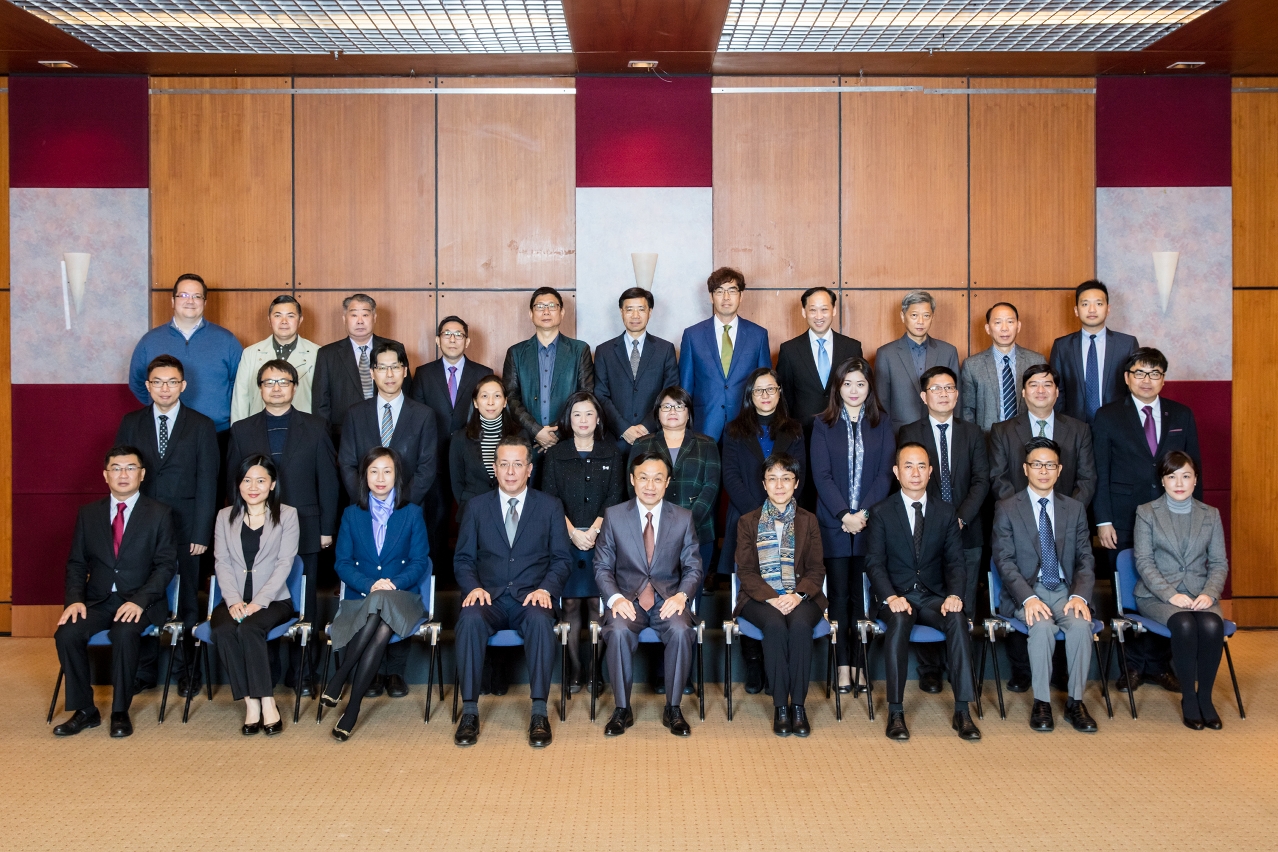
point(452, 335)
point(667, 407)
point(383, 369)
point(947, 389)
point(276, 383)
point(189, 297)
point(159, 384)
point(787, 479)
point(635, 309)
point(1041, 465)
point(116, 470)
point(726, 291)
point(772, 391)
point(1146, 374)
point(543, 307)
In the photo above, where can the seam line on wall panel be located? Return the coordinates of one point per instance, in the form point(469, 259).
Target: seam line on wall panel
point(782, 90)
point(292, 160)
point(839, 153)
point(435, 192)
point(1246, 90)
point(303, 290)
point(388, 91)
point(968, 158)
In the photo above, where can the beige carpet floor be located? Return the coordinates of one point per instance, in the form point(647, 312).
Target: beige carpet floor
point(401, 784)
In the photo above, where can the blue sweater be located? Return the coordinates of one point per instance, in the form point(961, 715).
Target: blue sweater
point(209, 360)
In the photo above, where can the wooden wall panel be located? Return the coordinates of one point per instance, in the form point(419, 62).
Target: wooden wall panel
point(779, 311)
point(1255, 181)
point(507, 186)
point(1045, 316)
point(406, 316)
point(497, 320)
point(365, 186)
point(6, 399)
point(1033, 185)
point(905, 190)
point(874, 318)
point(221, 183)
point(776, 194)
point(36, 620)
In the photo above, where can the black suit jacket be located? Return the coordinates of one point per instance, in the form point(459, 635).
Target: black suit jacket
point(1007, 457)
point(1068, 358)
point(540, 558)
point(889, 551)
point(1126, 472)
point(969, 470)
point(414, 439)
point(140, 572)
point(307, 471)
point(430, 388)
point(186, 478)
point(629, 399)
point(336, 385)
point(805, 395)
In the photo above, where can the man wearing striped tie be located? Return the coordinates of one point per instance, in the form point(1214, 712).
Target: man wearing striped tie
point(990, 392)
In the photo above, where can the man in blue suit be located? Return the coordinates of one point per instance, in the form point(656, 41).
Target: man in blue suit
point(1091, 362)
point(717, 355)
point(632, 369)
point(511, 562)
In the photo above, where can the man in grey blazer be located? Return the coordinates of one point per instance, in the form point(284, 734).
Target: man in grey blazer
point(648, 567)
point(1043, 552)
point(898, 365)
point(632, 369)
point(989, 379)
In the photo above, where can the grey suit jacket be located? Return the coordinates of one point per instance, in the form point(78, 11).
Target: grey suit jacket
point(897, 382)
point(621, 562)
point(1165, 564)
point(1017, 557)
point(981, 388)
point(271, 566)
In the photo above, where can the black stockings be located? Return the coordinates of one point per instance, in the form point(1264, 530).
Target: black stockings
point(363, 656)
point(1197, 639)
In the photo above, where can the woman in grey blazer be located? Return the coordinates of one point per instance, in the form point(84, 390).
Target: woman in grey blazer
point(1180, 557)
point(254, 544)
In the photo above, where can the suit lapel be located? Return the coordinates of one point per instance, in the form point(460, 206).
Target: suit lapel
point(634, 529)
point(352, 363)
point(903, 353)
point(137, 518)
point(1166, 424)
point(1076, 352)
point(1029, 516)
point(523, 518)
point(150, 442)
point(1025, 429)
point(809, 362)
point(903, 521)
point(1058, 531)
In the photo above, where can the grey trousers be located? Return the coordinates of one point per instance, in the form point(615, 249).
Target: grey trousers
point(621, 638)
point(1042, 642)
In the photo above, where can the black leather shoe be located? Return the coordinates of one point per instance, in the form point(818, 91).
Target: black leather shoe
point(896, 729)
point(659, 686)
point(189, 687)
point(574, 687)
point(930, 683)
point(967, 730)
point(799, 725)
point(396, 686)
point(1212, 722)
point(1080, 718)
point(79, 720)
point(249, 730)
point(330, 700)
point(121, 725)
point(688, 688)
point(1131, 677)
point(1041, 717)
point(1193, 724)
point(376, 688)
point(467, 730)
point(539, 732)
point(754, 677)
point(781, 721)
point(1167, 681)
point(672, 718)
point(340, 735)
point(140, 685)
point(1018, 683)
point(622, 718)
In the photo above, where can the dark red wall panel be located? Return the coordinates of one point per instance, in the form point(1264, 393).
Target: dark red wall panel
point(1212, 404)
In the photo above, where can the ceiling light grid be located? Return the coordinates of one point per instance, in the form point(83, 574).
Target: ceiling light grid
point(311, 26)
point(880, 26)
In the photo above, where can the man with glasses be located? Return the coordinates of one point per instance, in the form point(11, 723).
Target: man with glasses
point(989, 377)
point(540, 373)
point(306, 463)
point(344, 368)
point(211, 354)
point(899, 365)
point(631, 369)
point(1090, 361)
point(179, 449)
point(391, 419)
point(284, 344)
point(1131, 436)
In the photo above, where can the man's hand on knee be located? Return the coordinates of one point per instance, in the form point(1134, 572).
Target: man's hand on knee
point(478, 596)
point(73, 612)
point(1078, 606)
point(1036, 610)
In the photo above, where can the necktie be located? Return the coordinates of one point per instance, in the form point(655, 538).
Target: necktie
point(947, 485)
point(634, 358)
point(823, 363)
point(1091, 380)
point(1050, 572)
point(725, 350)
point(918, 529)
point(164, 434)
point(646, 596)
point(365, 377)
point(1042, 428)
point(1151, 434)
point(452, 386)
point(1009, 389)
point(388, 425)
point(512, 521)
point(117, 527)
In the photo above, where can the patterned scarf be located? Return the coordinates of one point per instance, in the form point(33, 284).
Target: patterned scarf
point(776, 558)
point(381, 511)
point(856, 459)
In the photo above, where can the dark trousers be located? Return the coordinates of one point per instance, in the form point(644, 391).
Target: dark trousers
point(931, 655)
point(787, 647)
point(926, 611)
point(188, 567)
point(847, 602)
point(477, 623)
point(621, 638)
point(395, 660)
point(310, 568)
point(72, 641)
point(241, 646)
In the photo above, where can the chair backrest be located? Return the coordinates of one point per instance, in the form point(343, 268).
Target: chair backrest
point(736, 586)
point(1125, 581)
point(296, 584)
point(171, 592)
point(865, 592)
point(996, 588)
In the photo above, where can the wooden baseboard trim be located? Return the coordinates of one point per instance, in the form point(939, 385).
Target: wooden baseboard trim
point(33, 621)
point(1255, 612)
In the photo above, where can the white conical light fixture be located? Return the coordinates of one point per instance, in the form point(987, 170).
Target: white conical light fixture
point(645, 264)
point(1165, 273)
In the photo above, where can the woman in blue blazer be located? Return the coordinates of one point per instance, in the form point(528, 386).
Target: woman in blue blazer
point(382, 556)
point(852, 455)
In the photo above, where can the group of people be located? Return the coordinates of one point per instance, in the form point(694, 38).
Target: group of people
point(595, 481)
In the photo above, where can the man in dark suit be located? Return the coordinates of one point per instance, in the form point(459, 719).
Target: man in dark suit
point(632, 369)
point(180, 453)
point(446, 386)
point(540, 373)
point(391, 419)
point(961, 478)
point(343, 369)
point(122, 558)
point(899, 365)
point(914, 559)
point(304, 458)
point(511, 562)
point(1090, 361)
point(648, 567)
point(1131, 436)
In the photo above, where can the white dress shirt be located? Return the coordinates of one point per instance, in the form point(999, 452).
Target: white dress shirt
point(128, 512)
point(643, 522)
point(396, 405)
point(460, 365)
point(631, 340)
point(909, 507)
point(1100, 356)
point(828, 337)
point(1157, 415)
point(949, 439)
point(171, 414)
point(1050, 419)
point(732, 332)
point(519, 502)
point(357, 347)
point(1051, 515)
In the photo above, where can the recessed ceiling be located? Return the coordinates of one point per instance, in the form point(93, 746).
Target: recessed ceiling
point(869, 26)
point(311, 26)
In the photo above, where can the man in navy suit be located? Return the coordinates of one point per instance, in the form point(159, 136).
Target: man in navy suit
point(718, 354)
point(632, 369)
point(511, 562)
point(1090, 362)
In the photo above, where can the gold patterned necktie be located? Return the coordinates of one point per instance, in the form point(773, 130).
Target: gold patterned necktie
point(725, 350)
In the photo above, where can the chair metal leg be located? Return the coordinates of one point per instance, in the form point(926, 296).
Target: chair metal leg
point(701, 673)
point(863, 629)
point(208, 672)
point(727, 665)
point(430, 675)
point(1122, 663)
point(1109, 708)
point(319, 703)
point(57, 687)
point(980, 711)
point(456, 690)
point(1229, 658)
point(301, 675)
point(980, 665)
point(998, 676)
point(838, 696)
point(168, 677)
point(186, 708)
point(563, 673)
point(594, 665)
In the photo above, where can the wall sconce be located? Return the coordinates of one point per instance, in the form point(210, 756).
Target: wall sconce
point(645, 264)
point(1165, 273)
point(75, 274)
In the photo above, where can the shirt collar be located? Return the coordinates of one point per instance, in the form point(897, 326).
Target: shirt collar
point(1100, 335)
point(548, 346)
point(914, 345)
point(172, 413)
point(506, 498)
point(631, 339)
point(656, 511)
point(936, 422)
point(1034, 498)
point(198, 326)
point(357, 346)
point(395, 403)
point(828, 337)
point(128, 504)
point(460, 365)
point(909, 504)
point(1156, 404)
point(719, 324)
point(999, 356)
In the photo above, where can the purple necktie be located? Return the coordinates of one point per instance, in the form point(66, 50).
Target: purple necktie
point(452, 385)
point(1151, 434)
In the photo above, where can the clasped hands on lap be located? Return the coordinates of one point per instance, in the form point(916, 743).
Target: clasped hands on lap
point(1186, 602)
point(672, 607)
point(129, 612)
point(898, 603)
point(1036, 610)
point(786, 603)
point(541, 598)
